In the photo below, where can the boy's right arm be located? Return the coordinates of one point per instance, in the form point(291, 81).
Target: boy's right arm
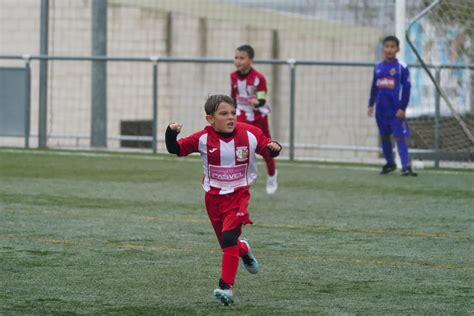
point(172, 132)
point(233, 92)
point(184, 146)
point(373, 94)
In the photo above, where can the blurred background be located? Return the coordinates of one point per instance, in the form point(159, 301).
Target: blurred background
point(112, 74)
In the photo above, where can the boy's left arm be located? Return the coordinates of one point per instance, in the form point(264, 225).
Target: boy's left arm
point(261, 92)
point(267, 147)
point(405, 85)
point(274, 148)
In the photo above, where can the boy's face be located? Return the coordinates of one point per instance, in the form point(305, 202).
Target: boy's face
point(390, 50)
point(242, 61)
point(223, 120)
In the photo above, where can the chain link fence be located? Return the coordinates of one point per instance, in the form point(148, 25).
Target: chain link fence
point(318, 102)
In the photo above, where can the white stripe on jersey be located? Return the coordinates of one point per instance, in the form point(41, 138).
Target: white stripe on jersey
point(400, 81)
point(242, 87)
point(227, 152)
point(252, 169)
point(205, 165)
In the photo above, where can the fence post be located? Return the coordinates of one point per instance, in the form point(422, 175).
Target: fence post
point(99, 75)
point(27, 60)
point(437, 121)
point(154, 124)
point(292, 64)
point(43, 75)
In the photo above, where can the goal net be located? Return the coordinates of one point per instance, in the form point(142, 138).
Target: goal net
point(441, 109)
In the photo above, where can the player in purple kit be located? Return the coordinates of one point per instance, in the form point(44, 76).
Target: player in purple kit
point(390, 94)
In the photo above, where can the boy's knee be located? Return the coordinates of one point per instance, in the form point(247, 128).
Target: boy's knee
point(385, 137)
point(230, 238)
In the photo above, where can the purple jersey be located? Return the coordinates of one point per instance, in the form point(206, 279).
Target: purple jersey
point(390, 87)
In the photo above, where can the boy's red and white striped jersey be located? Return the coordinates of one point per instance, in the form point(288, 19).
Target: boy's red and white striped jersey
point(228, 163)
point(245, 88)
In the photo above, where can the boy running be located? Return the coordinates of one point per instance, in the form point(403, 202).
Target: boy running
point(249, 90)
point(228, 151)
point(390, 93)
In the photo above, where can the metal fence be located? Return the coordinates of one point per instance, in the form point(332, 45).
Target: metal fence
point(314, 55)
point(297, 124)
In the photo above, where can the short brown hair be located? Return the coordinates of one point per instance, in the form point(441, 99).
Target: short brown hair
point(213, 101)
point(247, 49)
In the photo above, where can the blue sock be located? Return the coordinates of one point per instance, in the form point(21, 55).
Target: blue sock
point(388, 151)
point(403, 152)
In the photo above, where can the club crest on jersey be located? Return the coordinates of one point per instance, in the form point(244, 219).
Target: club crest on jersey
point(242, 153)
point(392, 71)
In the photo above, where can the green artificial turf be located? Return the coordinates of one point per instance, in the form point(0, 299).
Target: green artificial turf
point(127, 234)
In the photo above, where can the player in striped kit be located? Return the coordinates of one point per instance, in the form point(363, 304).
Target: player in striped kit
point(249, 90)
point(228, 151)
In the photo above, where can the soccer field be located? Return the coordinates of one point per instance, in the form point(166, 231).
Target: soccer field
point(104, 233)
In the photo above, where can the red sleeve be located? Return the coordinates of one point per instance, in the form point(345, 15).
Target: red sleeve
point(262, 85)
point(233, 90)
point(190, 144)
point(262, 142)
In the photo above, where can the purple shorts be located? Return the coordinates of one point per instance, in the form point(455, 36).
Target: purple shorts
point(392, 126)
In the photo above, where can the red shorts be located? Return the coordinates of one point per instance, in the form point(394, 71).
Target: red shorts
point(229, 211)
point(261, 121)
